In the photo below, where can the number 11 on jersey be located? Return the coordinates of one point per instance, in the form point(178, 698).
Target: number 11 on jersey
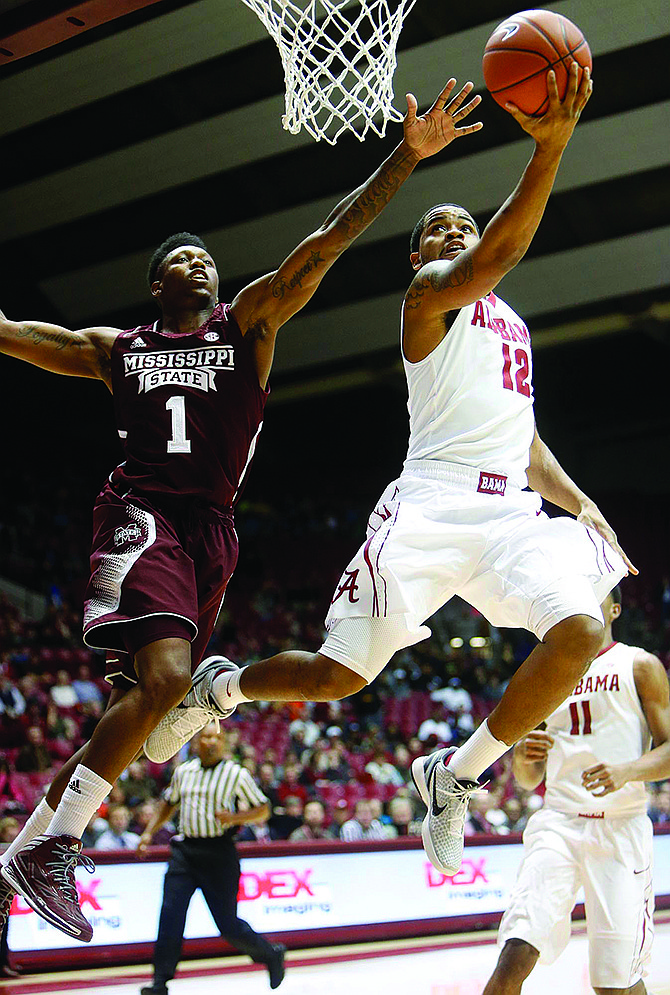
point(177, 408)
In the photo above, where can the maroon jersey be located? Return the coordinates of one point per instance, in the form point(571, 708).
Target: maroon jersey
point(189, 409)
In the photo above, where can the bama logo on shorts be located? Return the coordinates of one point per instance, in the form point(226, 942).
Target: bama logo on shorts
point(492, 483)
point(127, 533)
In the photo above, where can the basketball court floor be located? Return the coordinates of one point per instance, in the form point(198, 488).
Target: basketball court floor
point(456, 965)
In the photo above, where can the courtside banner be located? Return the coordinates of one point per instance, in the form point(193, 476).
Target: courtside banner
point(304, 891)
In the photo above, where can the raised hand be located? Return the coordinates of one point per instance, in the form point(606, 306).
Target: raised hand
point(556, 126)
point(431, 132)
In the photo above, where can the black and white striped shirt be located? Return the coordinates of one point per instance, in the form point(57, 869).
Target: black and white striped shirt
point(202, 791)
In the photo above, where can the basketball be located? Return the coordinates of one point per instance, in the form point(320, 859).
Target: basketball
point(522, 49)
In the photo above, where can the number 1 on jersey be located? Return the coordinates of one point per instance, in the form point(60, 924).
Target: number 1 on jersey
point(177, 408)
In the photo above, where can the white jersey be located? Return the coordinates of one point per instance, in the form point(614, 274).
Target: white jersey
point(601, 722)
point(471, 400)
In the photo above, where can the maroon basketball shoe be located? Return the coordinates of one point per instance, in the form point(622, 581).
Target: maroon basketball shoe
point(6, 899)
point(43, 874)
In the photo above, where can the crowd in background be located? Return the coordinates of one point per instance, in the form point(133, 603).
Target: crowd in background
point(330, 770)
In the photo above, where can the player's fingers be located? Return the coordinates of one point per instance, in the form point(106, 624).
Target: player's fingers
point(517, 113)
point(464, 111)
point(468, 130)
point(552, 89)
point(573, 84)
point(585, 90)
point(442, 97)
point(412, 106)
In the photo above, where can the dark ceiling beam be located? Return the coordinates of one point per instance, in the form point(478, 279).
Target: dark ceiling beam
point(65, 24)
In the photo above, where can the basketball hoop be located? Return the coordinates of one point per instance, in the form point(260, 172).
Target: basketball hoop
point(339, 59)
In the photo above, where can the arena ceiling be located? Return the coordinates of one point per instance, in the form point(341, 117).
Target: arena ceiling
point(170, 118)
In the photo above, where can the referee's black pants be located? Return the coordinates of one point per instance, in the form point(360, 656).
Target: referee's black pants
point(213, 866)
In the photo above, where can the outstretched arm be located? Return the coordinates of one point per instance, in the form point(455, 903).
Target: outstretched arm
point(651, 682)
point(84, 353)
point(444, 285)
point(262, 307)
point(549, 479)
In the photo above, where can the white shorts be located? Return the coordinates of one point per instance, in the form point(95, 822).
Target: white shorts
point(612, 860)
point(433, 534)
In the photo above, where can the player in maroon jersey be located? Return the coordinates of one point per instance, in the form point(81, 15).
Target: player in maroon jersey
point(189, 394)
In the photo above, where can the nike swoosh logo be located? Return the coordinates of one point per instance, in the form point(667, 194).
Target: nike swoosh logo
point(437, 809)
point(642, 871)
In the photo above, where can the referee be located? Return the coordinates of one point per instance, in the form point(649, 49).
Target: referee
point(207, 789)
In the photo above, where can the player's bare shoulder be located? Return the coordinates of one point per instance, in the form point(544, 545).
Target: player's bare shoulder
point(649, 673)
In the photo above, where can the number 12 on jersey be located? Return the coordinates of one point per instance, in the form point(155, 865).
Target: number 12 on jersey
point(177, 408)
point(520, 374)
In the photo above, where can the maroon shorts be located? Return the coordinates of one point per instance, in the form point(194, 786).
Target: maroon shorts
point(159, 564)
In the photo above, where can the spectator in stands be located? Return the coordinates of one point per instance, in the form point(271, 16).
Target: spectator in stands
point(330, 763)
point(142, 815)
point(94, 830)
point(476, 821)
point(62, 693)
point(304, 732)
point(363, 826)
point(454, 696)
point(436, 726)
point(285, 822)
point(340, 813)
point(312, 827)
point(12, 707)
point(517, 817)
point(118, 836)
point(291, 786)
point(402, 760)
point(85, 689)
point(34, 755)
point(137, 784)
point(659, 811)
point(382, 771)
point(403, 822)
point(267, 782)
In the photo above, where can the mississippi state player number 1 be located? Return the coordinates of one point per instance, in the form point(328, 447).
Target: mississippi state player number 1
point(177, 408)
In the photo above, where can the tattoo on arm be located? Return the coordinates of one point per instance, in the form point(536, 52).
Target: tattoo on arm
point(58, 339)
point(451, 279)
point(280, 288)
point(374, 197)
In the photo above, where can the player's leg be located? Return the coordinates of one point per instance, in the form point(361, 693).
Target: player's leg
point(536, 923)
point(43, 872)
point(619, 902)
point(517, 960)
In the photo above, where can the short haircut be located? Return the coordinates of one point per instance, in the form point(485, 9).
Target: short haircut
point(417, 231)
point(615, 595)
point(166, 247)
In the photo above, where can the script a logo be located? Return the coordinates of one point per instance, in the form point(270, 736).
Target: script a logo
point(471, 871)
point(274, 884)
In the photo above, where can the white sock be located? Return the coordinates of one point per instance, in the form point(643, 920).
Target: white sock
point(81, 799)
point(476, 754)
point(226, 688)
point(35, 826)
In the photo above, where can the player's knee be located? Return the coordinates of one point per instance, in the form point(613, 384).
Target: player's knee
point(577, 641)
point(331, 680)
point(164, 672)
point(518, 958)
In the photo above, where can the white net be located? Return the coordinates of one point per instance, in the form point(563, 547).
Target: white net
point(339, 58)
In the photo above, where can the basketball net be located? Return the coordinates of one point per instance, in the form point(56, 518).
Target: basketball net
point(339, 59)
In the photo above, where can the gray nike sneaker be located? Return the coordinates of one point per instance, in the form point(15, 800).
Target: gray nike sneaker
point(446, 799)
point(197, 709)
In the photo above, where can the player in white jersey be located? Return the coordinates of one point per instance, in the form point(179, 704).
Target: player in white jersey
point(458, 521)
point(593, 831)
